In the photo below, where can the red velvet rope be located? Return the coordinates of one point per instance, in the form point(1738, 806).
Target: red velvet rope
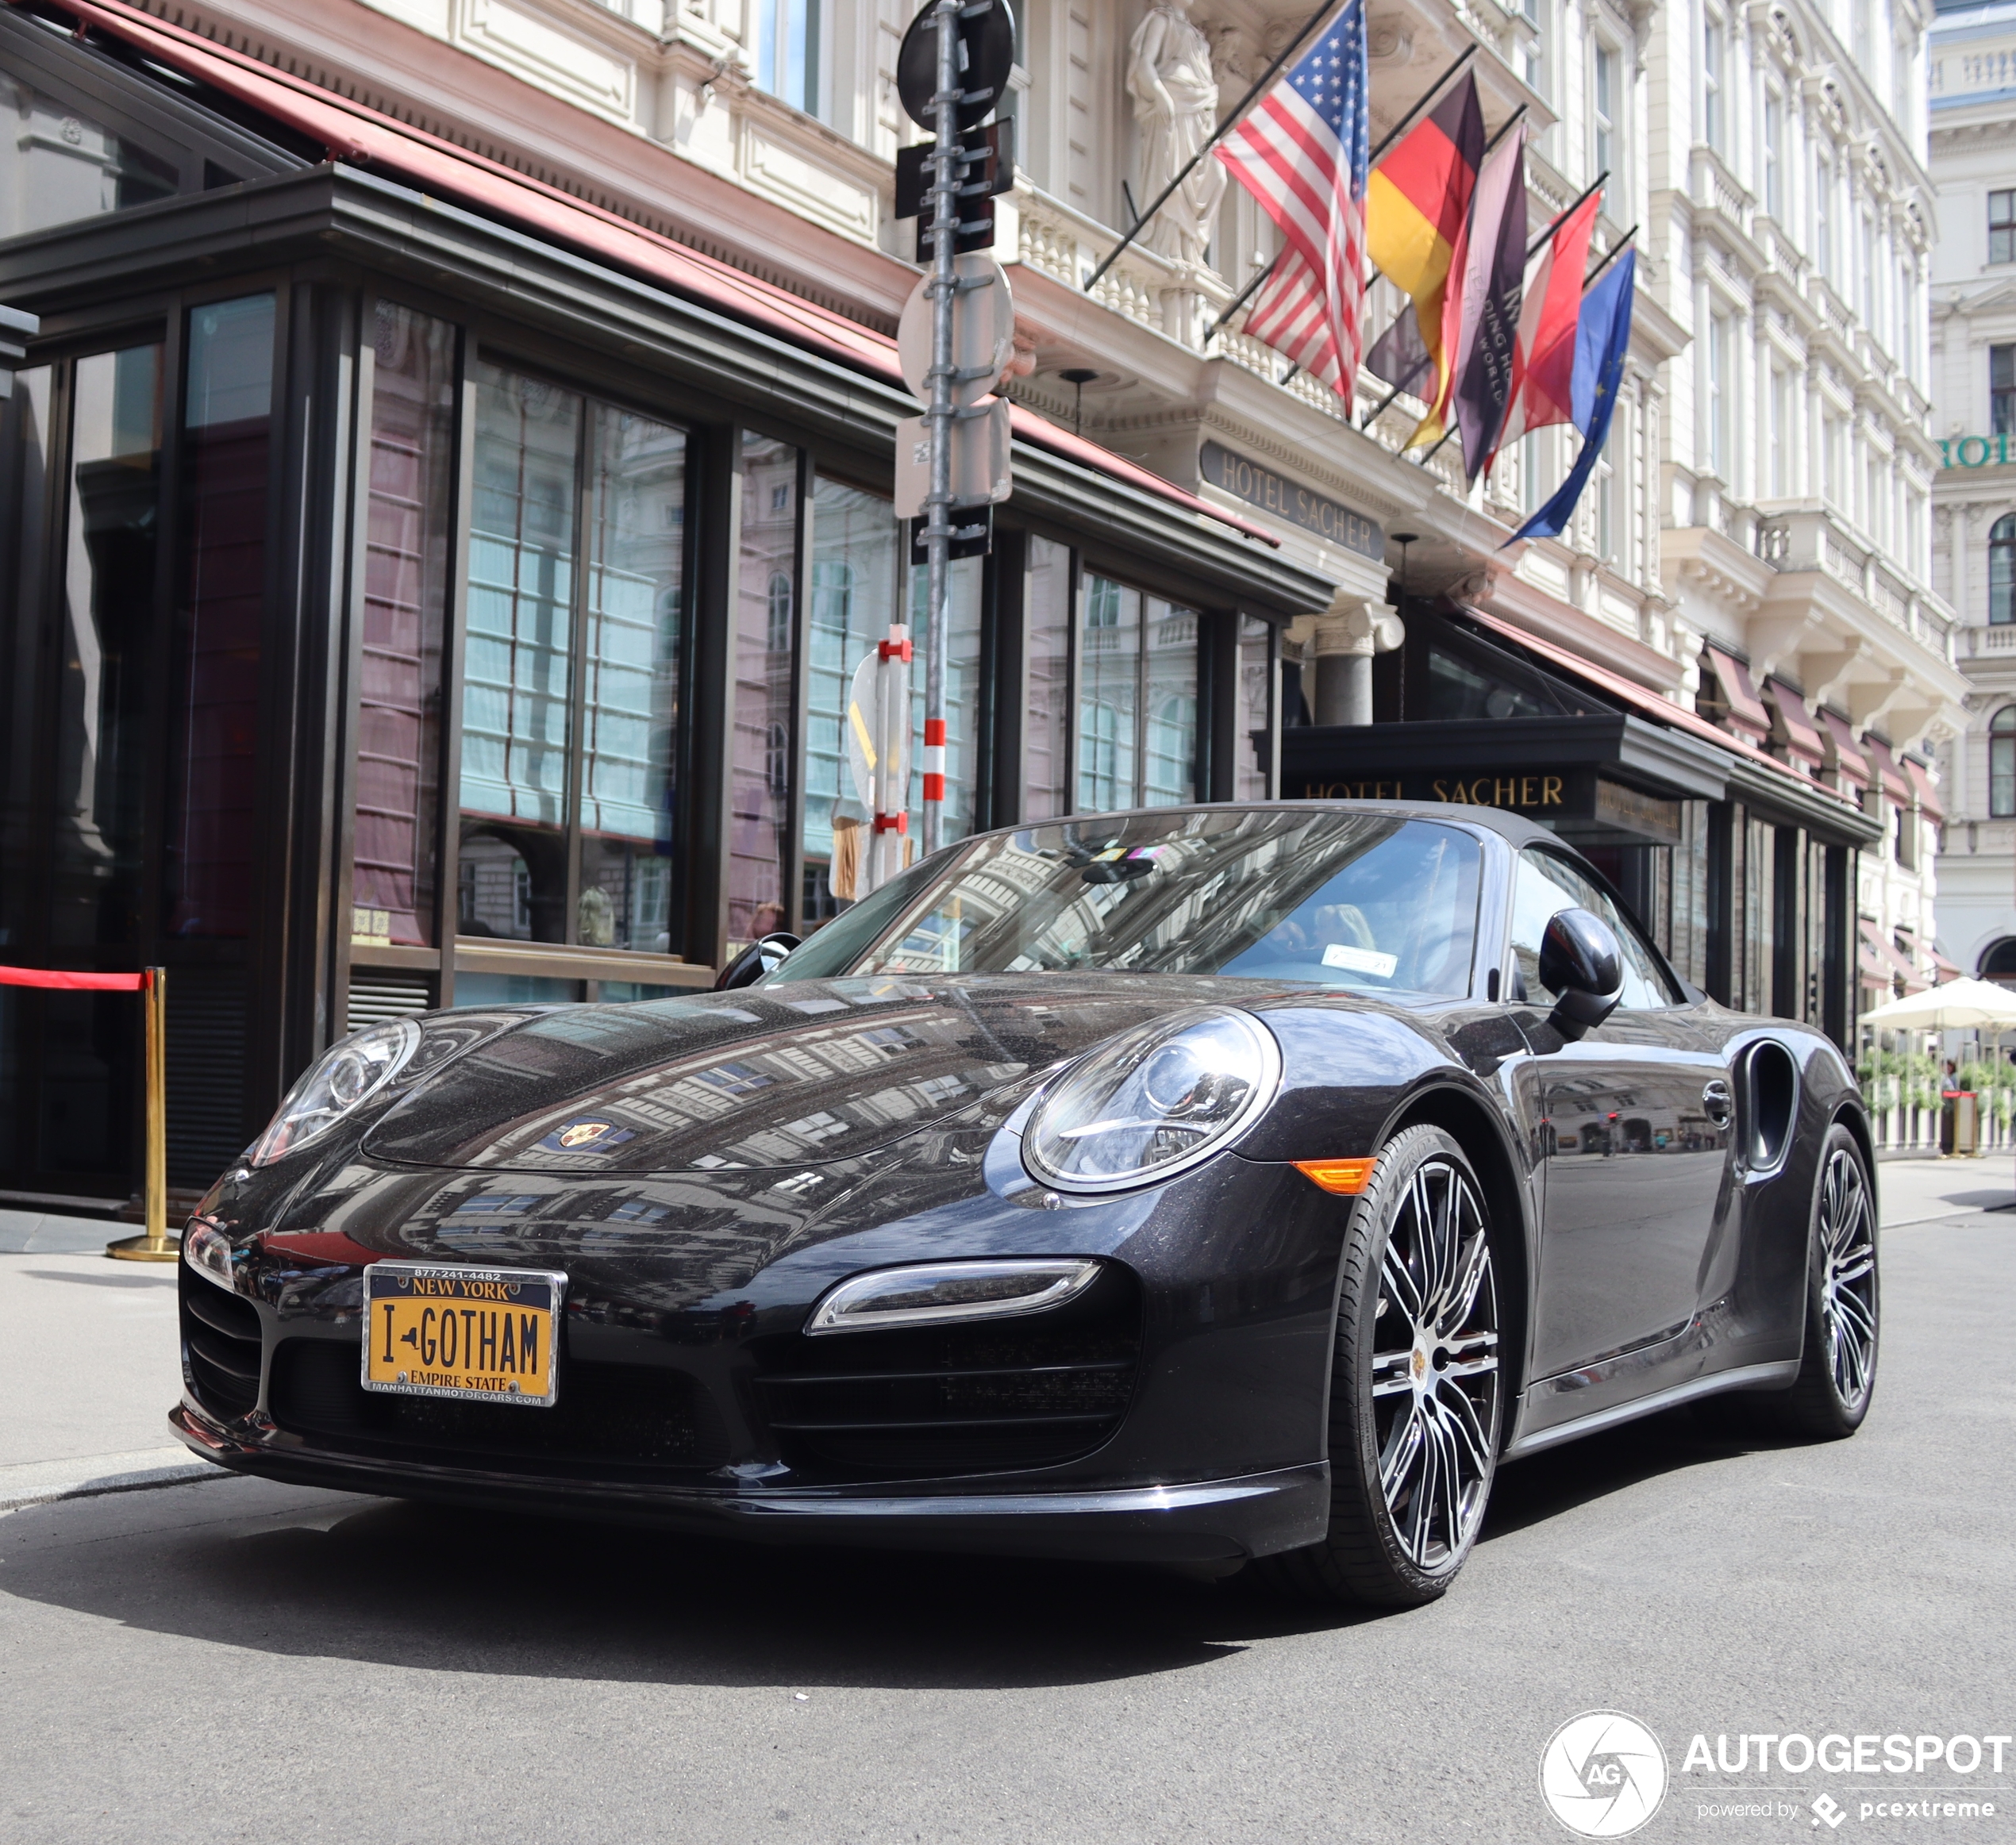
point(89, 982)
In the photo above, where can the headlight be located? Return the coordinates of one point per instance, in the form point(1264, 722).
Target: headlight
point(349, 1074)
point(1153, 1103)
point(207, 1250)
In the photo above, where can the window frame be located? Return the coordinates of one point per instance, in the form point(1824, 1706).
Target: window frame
point(2002, 764)
point(2002, 225)
point(2001, 550)
point(1620, 920)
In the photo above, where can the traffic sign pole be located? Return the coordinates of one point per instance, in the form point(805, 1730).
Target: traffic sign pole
point(943, 195)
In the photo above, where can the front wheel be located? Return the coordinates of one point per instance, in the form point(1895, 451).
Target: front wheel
point(1414, 1385)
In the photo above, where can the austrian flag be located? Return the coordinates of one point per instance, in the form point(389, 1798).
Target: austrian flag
point(1303, 154)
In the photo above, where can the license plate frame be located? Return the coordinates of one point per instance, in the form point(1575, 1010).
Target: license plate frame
point(396, 1315)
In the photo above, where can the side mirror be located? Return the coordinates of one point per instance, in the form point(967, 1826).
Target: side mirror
point(760, 957)
point(1580, 961)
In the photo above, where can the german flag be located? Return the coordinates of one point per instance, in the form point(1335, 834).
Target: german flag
point(1415, 205)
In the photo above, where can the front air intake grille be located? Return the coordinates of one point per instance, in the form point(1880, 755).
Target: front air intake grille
point(221, 1341)
point(627, 1418)
point(993, 1395)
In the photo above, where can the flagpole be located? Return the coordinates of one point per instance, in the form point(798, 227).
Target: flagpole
point(1386, 403)
point(1427, 96)
point(1217, 135)
point(1609, 258)
point(1393, 134)
point(1532, 249)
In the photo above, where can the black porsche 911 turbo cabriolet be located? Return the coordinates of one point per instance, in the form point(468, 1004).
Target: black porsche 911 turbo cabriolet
point(1201, 1185)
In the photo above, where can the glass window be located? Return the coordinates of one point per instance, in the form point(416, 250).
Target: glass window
point(1603, 122)
point(2001, 570)
point(1720, 384)
point(759, 770)
point(1137, 715)
point(630, 704)
point(1774, 156)
point(962, 697)
point(1335, 900)
point(2001, 390)
point(1047, 710)
point(408, 543)
point(1711, 81)
point(28, 462)
point(1823, 214)
point(1253, 745)
point(787, 51)
point(2002, 764)
point(857, 585)
point(518, 663)
point(1109, 673)
point(57, 166)
point(105, 608)
point(2001, 226)
point(1544, 884)
point(225, 465)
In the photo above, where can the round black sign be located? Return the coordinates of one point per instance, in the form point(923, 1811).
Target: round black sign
point(987, 54)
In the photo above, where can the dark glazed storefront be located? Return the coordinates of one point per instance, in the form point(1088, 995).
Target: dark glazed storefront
point(1741, 867)
point(405, 606)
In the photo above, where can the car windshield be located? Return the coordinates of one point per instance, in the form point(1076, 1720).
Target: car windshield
point(1361, 900)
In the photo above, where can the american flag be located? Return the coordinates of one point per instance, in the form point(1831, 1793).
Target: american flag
point(1304, 152)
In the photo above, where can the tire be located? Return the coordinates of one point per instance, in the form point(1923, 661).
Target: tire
point(1838, 1362)
point(1415, 1398)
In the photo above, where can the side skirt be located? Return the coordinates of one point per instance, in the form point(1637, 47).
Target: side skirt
point(1783, 1371)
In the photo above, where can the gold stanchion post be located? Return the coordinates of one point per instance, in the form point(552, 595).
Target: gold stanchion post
point(157, 1245)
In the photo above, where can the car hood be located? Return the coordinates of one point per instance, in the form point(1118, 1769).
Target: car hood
point(802, 1073)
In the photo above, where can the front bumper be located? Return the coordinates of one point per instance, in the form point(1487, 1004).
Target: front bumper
point(1256, 1515)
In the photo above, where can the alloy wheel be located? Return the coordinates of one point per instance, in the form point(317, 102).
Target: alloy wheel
point(1848, 1277)
point(1435, 1368)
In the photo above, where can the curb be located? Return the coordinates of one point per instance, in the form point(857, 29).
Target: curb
point(40, 1482)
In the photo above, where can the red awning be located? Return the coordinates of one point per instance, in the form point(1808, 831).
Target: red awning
point(1648, 704)
point(1802, 740)
point(351, 131)
point(1848, 754)
point(1746, 709)
point(1920, 779)
point(1947, 971)
point(1893, 784)
point(1892, 961)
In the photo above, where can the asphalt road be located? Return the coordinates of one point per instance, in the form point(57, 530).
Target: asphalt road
point(235, 1660)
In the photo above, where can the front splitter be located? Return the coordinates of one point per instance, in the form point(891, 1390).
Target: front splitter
point(1255, 1515)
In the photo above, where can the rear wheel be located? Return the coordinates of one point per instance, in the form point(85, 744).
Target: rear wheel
point(1837, 1374)
point(1415, 1389)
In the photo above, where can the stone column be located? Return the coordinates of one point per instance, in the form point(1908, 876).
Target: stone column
point(1348, 634)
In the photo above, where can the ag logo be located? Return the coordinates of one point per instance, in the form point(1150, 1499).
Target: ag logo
point(1603, 1775)
point(576, 1135)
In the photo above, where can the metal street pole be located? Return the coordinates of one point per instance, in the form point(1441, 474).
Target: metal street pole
point(944, 194)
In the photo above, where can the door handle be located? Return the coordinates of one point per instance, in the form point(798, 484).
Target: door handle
point(1717, 1102)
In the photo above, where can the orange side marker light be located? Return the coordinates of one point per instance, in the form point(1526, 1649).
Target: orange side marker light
point(1347, 1178)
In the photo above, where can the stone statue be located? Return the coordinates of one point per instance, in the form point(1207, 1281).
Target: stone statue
point(1176, 104)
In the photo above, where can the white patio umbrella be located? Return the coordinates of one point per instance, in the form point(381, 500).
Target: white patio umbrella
point(1960, 1005)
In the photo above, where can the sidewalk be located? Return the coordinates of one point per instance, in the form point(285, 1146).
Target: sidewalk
point(91, 1365)
point(1917, 1191)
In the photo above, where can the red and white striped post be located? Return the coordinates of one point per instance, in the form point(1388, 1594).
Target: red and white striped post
point(934, 778)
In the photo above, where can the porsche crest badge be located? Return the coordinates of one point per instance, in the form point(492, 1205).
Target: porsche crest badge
point(590, 1135)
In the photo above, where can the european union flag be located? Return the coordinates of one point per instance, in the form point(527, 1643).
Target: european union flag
point(1602, 335)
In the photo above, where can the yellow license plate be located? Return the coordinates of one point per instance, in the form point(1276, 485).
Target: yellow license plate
point(482, 1335)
